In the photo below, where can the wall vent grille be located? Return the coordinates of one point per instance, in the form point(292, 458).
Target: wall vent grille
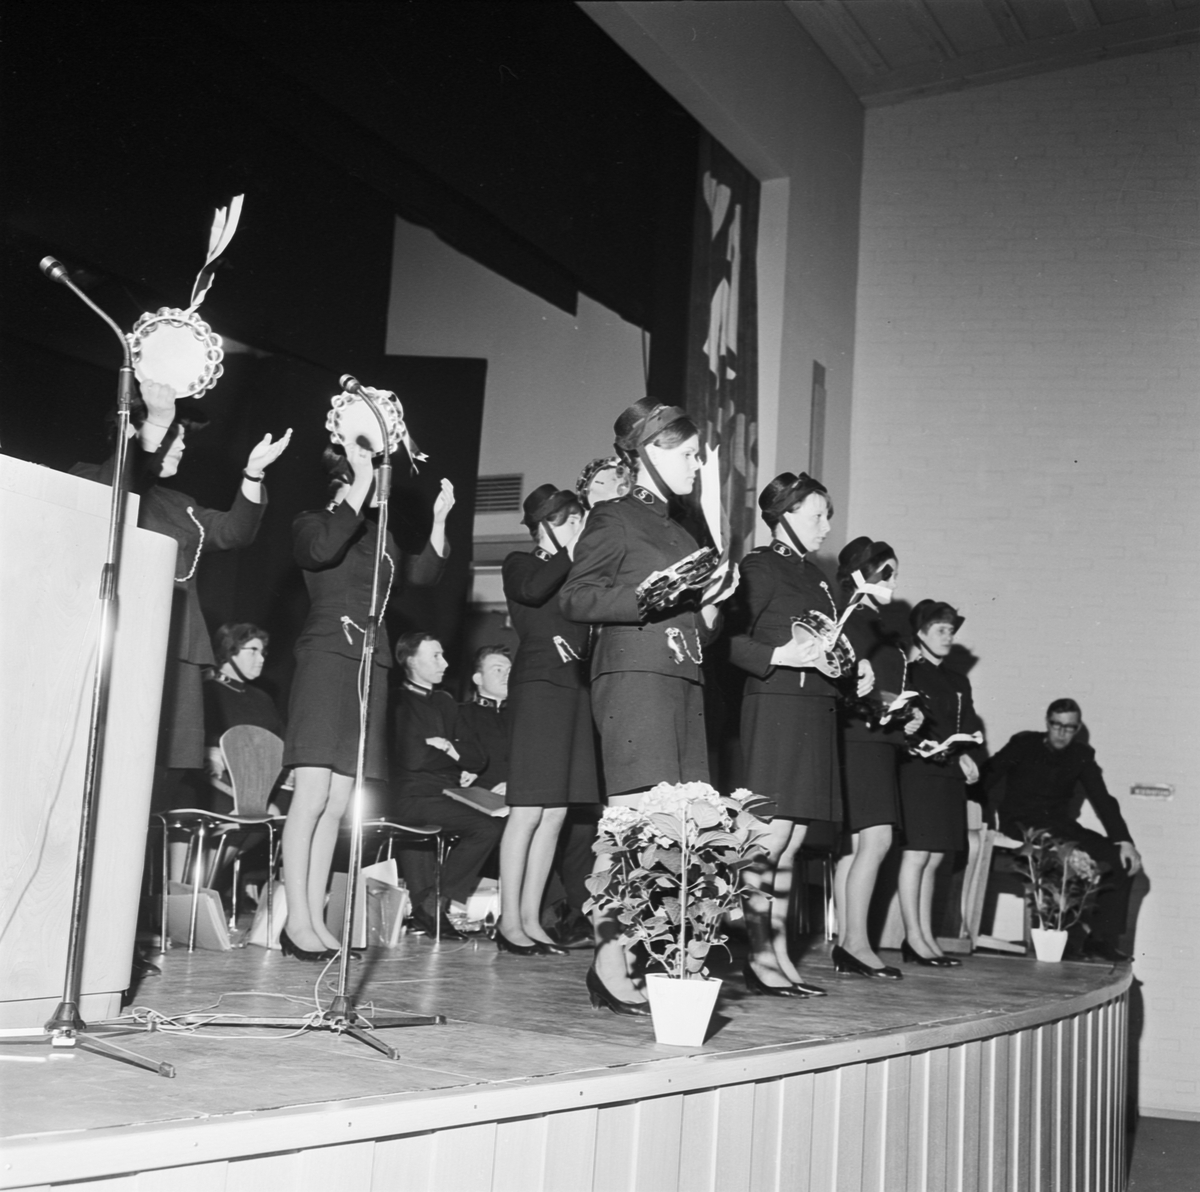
point(499, 494)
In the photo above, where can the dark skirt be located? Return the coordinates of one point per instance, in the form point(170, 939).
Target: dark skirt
point(552, 757)
point(181, 720)
point(790, 745)
point(933, 807)
point(651, 730)
point(872, 786)
point(322, 728)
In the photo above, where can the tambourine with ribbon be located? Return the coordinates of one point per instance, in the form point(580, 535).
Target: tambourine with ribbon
point(664, 588)
point(177, 347)
point(351, 420)
point(837, 654)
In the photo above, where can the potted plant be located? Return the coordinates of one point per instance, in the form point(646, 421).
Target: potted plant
point(1060, 882)
point(671, 870)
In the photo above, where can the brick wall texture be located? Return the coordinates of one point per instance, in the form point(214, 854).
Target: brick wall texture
point(1026, 431)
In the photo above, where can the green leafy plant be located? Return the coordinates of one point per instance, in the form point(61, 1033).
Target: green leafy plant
point(1060, 879)
point(671, 868)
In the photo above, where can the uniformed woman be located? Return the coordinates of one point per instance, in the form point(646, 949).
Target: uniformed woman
point(872, 739)
point(933, 802)
point(552, 757)
point(647, 698)
point(789, 714)
point(335, 546)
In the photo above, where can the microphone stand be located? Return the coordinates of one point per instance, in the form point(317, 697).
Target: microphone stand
point(342, 1017)
point(66, 1028)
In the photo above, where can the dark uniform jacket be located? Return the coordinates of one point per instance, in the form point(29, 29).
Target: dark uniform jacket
point(1039, 787)
point(196, 531)
point(531, 584)
point(336, 549)
point(889, 662)
point(421, 769)
point(946, 702)
point(777, 584)
point(623, 542)
point(486, 721)
point(229, 702)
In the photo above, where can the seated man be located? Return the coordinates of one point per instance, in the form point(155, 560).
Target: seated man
point(1040, 773)
point(487, 717)
point(431, 747)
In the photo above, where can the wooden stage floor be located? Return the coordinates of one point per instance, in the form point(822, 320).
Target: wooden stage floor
point(510, 1020)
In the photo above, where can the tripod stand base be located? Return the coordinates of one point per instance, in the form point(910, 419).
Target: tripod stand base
point(91, 1039)
point(338, 1022)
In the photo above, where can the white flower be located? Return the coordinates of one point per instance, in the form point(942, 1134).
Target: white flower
point(1083, 865)
point(617, 819)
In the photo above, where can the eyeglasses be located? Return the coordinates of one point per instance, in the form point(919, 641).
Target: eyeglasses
point(253, 650)
point(1064, 728)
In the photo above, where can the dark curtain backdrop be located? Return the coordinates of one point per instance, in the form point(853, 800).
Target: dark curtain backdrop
point(519, 132)
point(722, 355)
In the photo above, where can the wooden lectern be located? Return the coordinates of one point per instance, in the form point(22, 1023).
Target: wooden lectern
point(52, 545)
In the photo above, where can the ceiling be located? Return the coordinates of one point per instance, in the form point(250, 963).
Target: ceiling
point(893, 50)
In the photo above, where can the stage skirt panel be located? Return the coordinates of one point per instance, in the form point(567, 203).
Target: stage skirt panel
point(651, 730)
point(790, 743)
point(871, 783)
point(322, 728)
point(552, 754)
point(933, 807)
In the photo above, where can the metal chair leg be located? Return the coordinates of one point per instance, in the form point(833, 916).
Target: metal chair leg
point(270, 883)
point(198, 839)
point(165, 942)
point(233, 898)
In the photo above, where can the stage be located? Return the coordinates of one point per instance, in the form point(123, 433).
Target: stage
point(1004, 1073)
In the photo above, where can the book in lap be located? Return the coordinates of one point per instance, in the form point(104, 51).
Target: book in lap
point(480, 798)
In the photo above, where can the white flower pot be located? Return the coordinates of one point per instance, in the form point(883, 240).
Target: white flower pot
point(681, 1010)
point(1048, 945)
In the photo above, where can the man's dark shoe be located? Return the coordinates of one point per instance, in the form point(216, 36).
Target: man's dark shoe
point(1096, 949)
point(424, 922)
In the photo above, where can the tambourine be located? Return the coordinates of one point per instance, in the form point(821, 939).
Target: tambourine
point(351, 420)
point(176, 348)
point(664, 588)
point(837, 654)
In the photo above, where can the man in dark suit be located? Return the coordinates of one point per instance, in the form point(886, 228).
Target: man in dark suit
point(1041, 773)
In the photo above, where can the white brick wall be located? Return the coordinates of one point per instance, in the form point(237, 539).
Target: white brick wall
point(1026, 433)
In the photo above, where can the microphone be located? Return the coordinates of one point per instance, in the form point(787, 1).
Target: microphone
point(55, 270)
point(58, 273)
point(348, 383)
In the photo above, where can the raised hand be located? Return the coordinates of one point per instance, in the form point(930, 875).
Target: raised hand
point(266, 452)
point(444, 502)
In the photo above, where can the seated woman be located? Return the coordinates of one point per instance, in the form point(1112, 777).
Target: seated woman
point(431, 747)
point(230, 697)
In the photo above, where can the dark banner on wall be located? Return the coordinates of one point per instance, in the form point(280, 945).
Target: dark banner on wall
point(722, 376)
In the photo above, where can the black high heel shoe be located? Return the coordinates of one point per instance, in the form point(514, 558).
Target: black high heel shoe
point(757, 986)
point(847, 962)
point(289, 949)
point(504, 944)
point(600, 997)
point(912, 956)
point(547, 948)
